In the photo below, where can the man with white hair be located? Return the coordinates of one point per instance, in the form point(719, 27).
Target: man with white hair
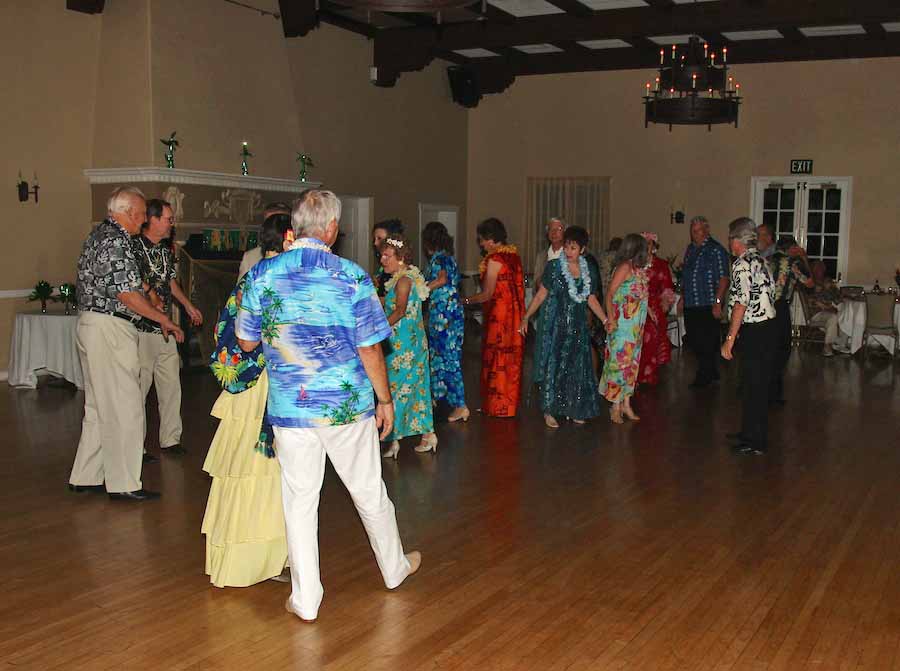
point(752, 303)
point(321, 325)
point(704, 283)
point(111, 300)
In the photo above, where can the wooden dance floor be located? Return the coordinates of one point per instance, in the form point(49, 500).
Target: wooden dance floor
point(645, 546)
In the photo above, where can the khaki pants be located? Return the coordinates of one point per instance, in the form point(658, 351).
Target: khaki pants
point(112, 432)
point(160, 363)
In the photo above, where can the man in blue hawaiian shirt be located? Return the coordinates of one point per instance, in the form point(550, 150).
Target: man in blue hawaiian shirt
point(321, 326)
point(705, 281)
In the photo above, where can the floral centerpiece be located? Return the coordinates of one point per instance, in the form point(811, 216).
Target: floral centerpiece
point(897, 277)
point(42, 292)
point(67, 295)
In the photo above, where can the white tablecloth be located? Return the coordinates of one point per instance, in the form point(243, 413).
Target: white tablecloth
point(44, 342)
point(852, 322)
point(675, 335)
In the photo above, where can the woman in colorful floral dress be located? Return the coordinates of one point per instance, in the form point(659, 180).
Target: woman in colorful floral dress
point(656, 350)
point(244, 519)
point(407, 360)
point(446, 321)
point(502, 344)
point(568, 386)
point(626, 305)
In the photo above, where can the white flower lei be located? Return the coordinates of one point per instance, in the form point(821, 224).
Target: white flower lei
point(577, 296)
point(310, 243)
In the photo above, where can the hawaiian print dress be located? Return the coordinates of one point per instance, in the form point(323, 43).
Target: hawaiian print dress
point(407, 360)
point(623, 347)
point(445, 332)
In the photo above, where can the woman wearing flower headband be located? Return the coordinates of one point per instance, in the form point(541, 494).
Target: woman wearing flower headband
point(502, 344)
point(626, 305)
point(568, 381)
point(407, 360)
point(656, 350)
point(446, 321)
point(244, 520)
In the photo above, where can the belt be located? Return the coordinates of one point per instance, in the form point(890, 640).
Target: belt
point(132, 319)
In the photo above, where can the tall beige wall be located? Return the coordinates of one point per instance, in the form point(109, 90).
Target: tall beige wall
point(100, 91)
point(841, 114)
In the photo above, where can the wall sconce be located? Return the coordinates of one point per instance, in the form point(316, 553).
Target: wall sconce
point(25, 192)
point(676, 217)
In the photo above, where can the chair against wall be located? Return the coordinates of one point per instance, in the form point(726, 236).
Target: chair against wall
point(808, 332)
point(880, 320)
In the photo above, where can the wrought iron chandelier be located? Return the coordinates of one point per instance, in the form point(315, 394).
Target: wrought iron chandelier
point(693, 87)
point(422, 6)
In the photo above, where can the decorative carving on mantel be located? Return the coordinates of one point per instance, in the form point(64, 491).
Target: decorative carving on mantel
point(238, 206)
point(174, 197)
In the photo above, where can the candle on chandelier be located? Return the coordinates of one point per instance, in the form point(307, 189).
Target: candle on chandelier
point(673, 53)
point(694, 80)
point(657, 85)
point(730, 86)
point(705, 49)
point(737, 90)
point(712, 58)
point(648, 90)
point(662, 53)
point(724, 54)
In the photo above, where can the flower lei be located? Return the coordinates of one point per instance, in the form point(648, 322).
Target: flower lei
point(577, 296)
point(500, 249)
point(419, 285)
point(310, 243)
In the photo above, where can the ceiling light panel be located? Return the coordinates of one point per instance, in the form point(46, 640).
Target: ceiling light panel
point(891, 27)
point(754, 35)
point(476, 53)
point(671, 39)
point(604, 44)
point(538, 48)
point(526, 7)
point(828, 31)
point(601, 5)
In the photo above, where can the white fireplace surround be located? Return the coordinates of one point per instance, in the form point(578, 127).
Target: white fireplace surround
point(197, 178)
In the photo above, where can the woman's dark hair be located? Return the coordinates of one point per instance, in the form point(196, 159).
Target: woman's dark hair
point(390, 226)
point(436, 238)
point(400, 245)
point(577, 235)
point(633, 249)
point(614, 244)
point(785, 242)
point(492, 229)
point(274, 230)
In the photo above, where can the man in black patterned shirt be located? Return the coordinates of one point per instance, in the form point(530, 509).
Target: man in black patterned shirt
point(160, 363)
point(111, 299)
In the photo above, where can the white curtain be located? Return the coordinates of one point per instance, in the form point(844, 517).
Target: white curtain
point(578, 201)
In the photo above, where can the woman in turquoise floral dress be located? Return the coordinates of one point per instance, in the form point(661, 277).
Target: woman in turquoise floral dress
point(626, 304)
point(568, 383)
point(446, 321)
point(407, 360)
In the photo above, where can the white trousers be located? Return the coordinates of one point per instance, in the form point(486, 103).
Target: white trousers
point(354, 453)
point(160, 364)
point(112, 432)
point(828, 321)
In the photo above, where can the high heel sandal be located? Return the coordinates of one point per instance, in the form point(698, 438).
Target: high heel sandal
point(550, 421)
point(392, 451)
point(462, 416)
point(629, 413)
point(428, 444)
point(615, 415)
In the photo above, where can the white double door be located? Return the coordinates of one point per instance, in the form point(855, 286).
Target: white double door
point(815, 210)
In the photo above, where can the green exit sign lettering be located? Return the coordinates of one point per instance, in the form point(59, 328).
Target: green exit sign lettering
point(801, 166)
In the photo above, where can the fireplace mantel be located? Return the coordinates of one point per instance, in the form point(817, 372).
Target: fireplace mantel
point(196, 178)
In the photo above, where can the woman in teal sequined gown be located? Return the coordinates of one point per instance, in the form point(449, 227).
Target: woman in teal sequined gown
point(568, 383)
point(407, 360)
point(446, 321)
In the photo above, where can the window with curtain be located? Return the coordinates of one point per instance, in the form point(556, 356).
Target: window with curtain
point(578, 201)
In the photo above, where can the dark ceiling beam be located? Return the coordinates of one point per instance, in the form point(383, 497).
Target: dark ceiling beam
point(572, 47)
point(751, 51)
point(573, 7)
point(792, 33)
point(661, 4)
point(724, 15)
point(86, 6)
point(875, 30)
point(357, 27)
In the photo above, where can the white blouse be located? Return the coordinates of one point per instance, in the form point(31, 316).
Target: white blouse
point(752, 287)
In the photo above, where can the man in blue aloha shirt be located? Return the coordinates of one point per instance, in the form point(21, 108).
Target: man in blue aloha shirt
point(705, 281)
point(321, 326)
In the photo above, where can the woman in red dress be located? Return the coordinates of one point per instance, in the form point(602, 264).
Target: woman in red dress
point(503, 295)
point(656, 350)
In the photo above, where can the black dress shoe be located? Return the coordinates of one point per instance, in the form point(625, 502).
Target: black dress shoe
point(749, 449)
point(149, 458)
point(175, 450)
point(86, 488)
point(138, 495)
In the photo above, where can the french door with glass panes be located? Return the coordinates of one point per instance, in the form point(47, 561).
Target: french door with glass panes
point(815, 210)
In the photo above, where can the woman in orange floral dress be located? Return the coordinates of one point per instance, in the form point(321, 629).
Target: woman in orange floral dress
point(626, 305)
point(503, 295)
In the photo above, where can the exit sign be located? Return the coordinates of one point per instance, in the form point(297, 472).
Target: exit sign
point(801, 166)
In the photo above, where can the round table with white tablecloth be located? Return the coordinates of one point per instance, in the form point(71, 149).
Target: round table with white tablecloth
point(44, 342)
point(852, 322)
